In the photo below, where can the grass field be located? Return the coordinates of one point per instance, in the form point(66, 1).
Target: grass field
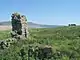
point(64, 40)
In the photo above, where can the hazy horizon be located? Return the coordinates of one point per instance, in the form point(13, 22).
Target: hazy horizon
point(50, 12)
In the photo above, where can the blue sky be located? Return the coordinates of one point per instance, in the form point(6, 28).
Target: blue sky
point(51, 12)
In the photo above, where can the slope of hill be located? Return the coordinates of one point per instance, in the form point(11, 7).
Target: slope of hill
point(64, 40)
point(32, 25)
point(5, 23)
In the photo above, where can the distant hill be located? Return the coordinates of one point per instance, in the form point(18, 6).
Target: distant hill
point(5, 23)
point(32, 25)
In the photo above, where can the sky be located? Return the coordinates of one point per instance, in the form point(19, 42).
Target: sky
point(50, 12)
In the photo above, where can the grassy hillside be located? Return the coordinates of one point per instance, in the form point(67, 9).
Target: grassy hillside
point(64, 40)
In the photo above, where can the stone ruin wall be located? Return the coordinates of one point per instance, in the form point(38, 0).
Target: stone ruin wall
point(19, 25)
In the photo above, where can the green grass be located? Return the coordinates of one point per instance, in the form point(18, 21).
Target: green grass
point(65, 40)
point(4, 34)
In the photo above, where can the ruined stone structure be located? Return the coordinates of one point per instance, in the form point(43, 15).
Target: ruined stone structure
point(24, 26)
point(19, 25)
point(19, 30)
point(40, 53)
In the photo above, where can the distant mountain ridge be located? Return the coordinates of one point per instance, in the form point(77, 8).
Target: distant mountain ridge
point(32, 25)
